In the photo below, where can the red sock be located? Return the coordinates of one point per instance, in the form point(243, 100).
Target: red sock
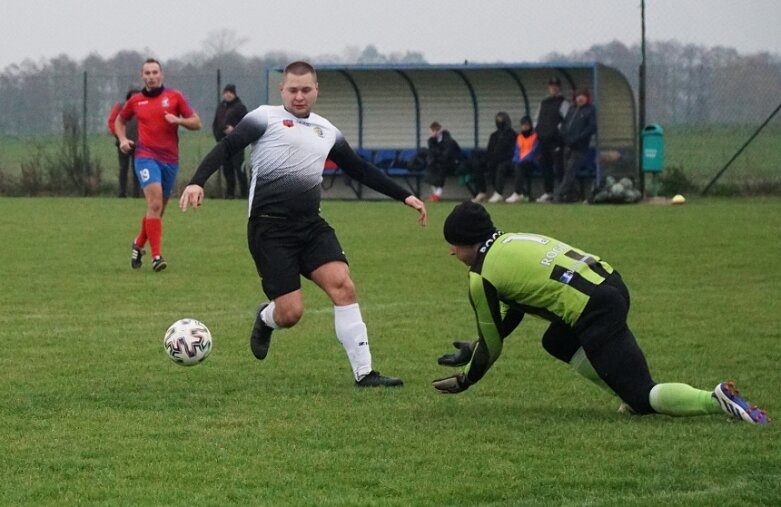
point(154, 231)
point(141, 238)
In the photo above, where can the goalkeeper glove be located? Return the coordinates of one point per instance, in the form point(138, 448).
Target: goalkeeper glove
point(451, 385)
point(459, 358)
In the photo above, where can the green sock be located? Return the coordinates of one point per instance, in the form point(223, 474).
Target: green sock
point(682, 400)
point(583, 366)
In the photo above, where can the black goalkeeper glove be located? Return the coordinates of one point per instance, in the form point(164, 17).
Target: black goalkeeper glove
point(459, 358)
point(451, 385)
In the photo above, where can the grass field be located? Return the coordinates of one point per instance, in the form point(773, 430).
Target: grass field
point(93, 413)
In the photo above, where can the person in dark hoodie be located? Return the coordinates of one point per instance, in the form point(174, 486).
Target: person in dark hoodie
point(229, 113)
point(576, 131)
point(498, 160)
point(444, 154)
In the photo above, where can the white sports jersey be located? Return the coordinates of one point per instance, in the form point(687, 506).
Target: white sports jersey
point(287, 159)
point(289, 156)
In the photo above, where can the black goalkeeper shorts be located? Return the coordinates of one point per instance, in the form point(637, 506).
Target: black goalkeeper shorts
point(284, 249)
point(608, 342)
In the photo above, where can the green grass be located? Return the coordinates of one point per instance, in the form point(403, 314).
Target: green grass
point(701, 151)
point(193, 146)
point(93, 413)
point(15, 151)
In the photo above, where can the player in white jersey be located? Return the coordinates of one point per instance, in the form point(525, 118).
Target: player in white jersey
point(286, 235)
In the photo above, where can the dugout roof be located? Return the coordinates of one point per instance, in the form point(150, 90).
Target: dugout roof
point(391, 106)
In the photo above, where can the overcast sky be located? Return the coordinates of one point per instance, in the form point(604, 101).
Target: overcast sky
point(445, 31)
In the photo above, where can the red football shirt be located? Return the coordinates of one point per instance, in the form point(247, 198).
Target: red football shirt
point(157, 139)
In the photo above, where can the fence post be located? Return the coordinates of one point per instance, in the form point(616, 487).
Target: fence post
point(84, 147)
point(219, 94)
point(641, 100)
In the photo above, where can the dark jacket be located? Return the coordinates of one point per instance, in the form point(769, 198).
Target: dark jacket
point(549, 118)
point(501, 143)
point(228, 113)
point(578, 127)
point(445, 154)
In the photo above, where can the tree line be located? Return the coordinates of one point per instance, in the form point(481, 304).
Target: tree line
point(691, 84)
point(686, 84)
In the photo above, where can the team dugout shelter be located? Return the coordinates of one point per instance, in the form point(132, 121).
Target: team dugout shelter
point(388, 108)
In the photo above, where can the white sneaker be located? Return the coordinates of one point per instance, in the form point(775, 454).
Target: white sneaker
point(546, 197)
point(480, 197)
point(497, 197)
point(516, 197)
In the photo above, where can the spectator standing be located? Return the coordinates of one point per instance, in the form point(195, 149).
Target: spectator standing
point(444, 154)
point(552, 111)
point(229, 113)
point(125, 159)
point(579, 126)
point(524, 161)
point(586, 302)
point(159, 111)
point(287, 237)
point(498, 160)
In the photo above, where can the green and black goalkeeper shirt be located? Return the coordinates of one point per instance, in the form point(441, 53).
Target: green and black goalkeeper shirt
point(520, 273)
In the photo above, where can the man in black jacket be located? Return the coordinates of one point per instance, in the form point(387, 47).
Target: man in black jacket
point(578, 128)
point(229, 113)
point(498, 160)
point(552, 111)
point(444, 154)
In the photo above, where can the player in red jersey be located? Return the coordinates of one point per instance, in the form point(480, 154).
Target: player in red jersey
point(159, 111)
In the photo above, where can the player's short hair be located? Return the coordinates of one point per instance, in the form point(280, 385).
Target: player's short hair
point(299, 68)
point(153, 60)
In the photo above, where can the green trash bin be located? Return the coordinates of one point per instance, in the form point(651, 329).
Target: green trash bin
point(653, 148)
point(653, 153)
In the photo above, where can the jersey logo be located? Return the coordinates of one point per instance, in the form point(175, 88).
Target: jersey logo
point(566, 277)
point(287, 123)
point(318, 131)
point(165, 102)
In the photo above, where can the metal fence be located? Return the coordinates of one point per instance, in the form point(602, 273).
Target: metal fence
point(707, 116)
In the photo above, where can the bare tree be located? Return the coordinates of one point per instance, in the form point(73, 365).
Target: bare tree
point(223, 41)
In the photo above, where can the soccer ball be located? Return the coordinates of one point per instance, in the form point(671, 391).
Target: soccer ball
point(187, 342)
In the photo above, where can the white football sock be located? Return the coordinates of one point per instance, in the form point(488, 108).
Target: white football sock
point(351, 332)
point(267, 316)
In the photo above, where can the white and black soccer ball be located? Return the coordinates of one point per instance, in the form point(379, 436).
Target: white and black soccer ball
point(187, 342)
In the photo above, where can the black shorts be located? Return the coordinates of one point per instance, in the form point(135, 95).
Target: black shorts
point(608, 342)
point(284, 249)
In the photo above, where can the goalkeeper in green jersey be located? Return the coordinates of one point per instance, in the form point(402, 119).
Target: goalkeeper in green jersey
point(585, 301)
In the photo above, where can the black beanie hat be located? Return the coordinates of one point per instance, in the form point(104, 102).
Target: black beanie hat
point(467, 224)
point(229, 88)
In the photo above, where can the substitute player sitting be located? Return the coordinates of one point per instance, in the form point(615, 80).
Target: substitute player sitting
point(586, 302)
point(286, 235)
